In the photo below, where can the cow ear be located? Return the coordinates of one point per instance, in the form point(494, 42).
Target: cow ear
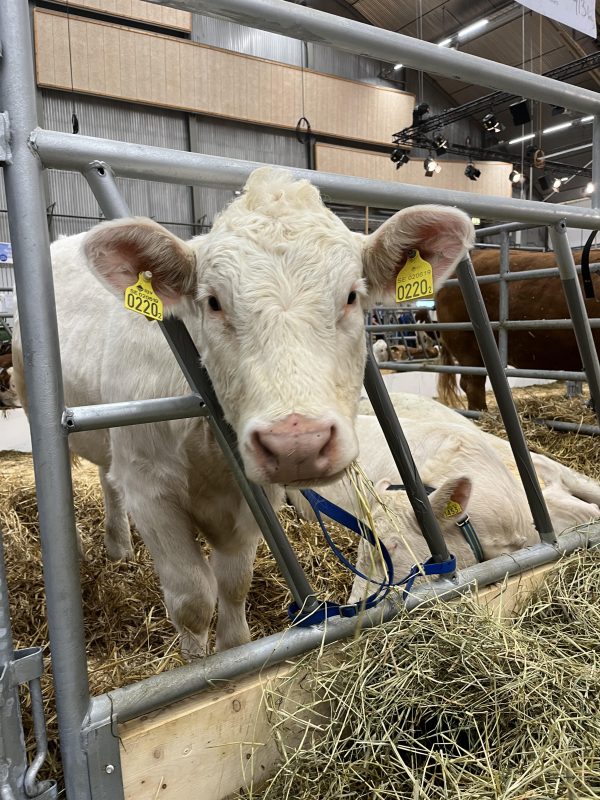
point(119, 250)
point(450, 501)
point(441, 235)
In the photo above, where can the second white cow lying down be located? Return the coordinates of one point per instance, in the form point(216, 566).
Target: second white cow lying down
point(466, 466)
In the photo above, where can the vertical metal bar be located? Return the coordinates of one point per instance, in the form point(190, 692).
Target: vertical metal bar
point(595, 196)
point(388, 419)
point(102, 183)
point(577, 310)
point(37, 319)
point(491, 358)
point(13, 760)
point(503, 297)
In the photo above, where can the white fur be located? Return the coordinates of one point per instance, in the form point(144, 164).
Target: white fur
point(285, 341)
point(380, 350)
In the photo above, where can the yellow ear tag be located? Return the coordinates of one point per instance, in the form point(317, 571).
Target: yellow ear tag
point(415, 279)
point(142, 298)
point(452, 509)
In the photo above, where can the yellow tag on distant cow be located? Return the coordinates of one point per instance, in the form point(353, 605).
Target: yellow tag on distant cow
point(142, 298)
point(415, 279)
point(452, 509)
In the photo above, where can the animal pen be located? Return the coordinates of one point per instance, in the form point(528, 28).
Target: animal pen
point(90, 726)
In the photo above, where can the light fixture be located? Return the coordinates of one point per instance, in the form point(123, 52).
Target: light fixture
point(440, 145)
point(554, 128)
point(398, 66)
point(419, 112)
point(475, 26)
point(515, 176)
point(399, 157)
point(525, 138)
point(491, 124)
point(472, 172)
point(556, 184)
point(589, 189)
point(430, 165)
point(557, 111)
point(587, 119)
point(445, 42)
point(519, 112)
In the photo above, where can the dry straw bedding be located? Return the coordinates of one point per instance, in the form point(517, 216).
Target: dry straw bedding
point(127, 632)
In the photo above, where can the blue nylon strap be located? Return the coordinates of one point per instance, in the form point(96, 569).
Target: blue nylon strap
point(470, 534)
point(321, 505)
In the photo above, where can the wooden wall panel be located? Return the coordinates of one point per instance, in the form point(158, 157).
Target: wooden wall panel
point(151, 13)
point(366, 164)
point(142, 67)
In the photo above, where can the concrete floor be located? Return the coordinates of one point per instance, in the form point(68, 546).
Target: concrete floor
point(14, 431)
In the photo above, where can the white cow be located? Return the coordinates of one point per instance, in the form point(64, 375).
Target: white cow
point(381, 351)
point(274, 298)
point(465, 465)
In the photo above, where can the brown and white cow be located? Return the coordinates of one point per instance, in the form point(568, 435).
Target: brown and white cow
point(273, 297)
point(541, 298)
point(8, 392)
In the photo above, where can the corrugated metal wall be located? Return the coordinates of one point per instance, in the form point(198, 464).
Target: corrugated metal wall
point(69, 194)
point(224, 138)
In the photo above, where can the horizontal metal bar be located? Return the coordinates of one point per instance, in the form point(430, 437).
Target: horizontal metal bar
point(510, 324)
point(509, 227)
point(132, 412)
point(309, 25)
point(521, 248)
point(523, 275)
point(554, 424)
point(75, 152)
point(153, 693)
point(422, 366)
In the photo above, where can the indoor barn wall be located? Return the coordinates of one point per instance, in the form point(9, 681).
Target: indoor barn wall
point(167, 203)
point(224, 138)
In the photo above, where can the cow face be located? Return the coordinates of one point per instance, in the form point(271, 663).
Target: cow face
point(274, 296)
point(8, 392)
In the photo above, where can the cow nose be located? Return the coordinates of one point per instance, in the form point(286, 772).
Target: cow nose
point(296, 448)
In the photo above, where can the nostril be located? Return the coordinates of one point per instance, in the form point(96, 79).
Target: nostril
point(329, 442)
point(261, 447)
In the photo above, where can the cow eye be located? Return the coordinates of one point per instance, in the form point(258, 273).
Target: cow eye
point(351, 298)
point(214, 303)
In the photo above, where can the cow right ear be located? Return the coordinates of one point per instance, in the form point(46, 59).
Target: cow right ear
point(119, 250)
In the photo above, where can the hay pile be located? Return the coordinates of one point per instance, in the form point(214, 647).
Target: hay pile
point(452, 703)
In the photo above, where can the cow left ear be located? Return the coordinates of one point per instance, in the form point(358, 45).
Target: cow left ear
point(441, 234)
point(450, 500)
point(119, 250)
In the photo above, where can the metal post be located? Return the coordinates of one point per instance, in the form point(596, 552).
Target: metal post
point(37, 319)
point(13, 760)
point(388, 419)
point(491, 358)
point(595, 197)
point(503, 298)
point(577, 309)
point(102, 183)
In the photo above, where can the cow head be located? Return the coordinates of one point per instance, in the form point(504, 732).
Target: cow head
point(274, 296)
point(8, 392)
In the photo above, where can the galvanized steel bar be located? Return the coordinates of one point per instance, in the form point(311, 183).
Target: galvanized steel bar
point(309, 25)
point(508, 227)
point(37, 318)
point(554, 424)
point(529, 275)
point(510, 324)
point(489, 353)
point(595, 196)
point(426, 366)
point(392, 430)
point(134, 412)
point(75, 152)
point(577, 309)
point(13, 757)
point(158, 691)
point(503, 299)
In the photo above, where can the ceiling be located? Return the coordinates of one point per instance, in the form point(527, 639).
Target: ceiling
point(514, 36)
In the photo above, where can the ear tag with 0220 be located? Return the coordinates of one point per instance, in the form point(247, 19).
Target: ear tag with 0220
point(415, 279)
point(142, 298)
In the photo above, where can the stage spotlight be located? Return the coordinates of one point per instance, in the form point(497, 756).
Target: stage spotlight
point(399, 157)
point(520, 112)
point(515, 176)
point(491, 124)
point(420, 111)
point(441, 145)
point(589, 189)
point(430, 165)
point(556, 184)
point(472, 172)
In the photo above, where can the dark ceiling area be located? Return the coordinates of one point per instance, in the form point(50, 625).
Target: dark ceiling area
point(511, 35)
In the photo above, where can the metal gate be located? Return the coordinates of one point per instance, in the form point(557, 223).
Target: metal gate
point(88, 725)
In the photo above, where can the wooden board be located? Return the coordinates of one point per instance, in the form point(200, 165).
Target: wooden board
point(368, 164)
point(210, 745)
point(142, 67)
point(161, 16)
